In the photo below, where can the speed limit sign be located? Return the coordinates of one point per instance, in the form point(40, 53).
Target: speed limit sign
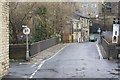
point(99, 30)
point(26, 31)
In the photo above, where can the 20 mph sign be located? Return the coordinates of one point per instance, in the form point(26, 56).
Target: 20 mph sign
point(26, 31)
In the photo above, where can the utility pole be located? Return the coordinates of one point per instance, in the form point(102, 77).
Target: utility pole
point(118, 8)
point(104, 16)
point(104, 20)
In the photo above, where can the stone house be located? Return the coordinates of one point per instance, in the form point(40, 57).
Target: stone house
point(80, 28)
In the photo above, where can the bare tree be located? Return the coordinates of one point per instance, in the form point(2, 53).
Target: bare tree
point(18, 16)
point(51, 17)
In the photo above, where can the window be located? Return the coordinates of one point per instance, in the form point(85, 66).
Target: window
point(85, 0)
point(84, 5)
point(84, 13)
point(108, 6)
point(94, 12)
point(93, 5)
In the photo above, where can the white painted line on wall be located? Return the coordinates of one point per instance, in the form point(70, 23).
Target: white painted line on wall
point(39, 66)
point(101, 57)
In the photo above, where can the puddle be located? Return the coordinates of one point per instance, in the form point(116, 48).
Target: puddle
point(115, 73)
point(117, 69)
point(82, 59)
point(80, 69)
point(108, 71)
point(98, 69)
point(83, 68)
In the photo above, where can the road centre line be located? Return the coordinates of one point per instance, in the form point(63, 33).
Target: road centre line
point(48, 58)
point(39, 66)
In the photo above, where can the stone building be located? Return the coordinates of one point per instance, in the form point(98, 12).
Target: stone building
point(109, 11)
point(76, 30)
point(4, 38)
point(89, 9)
point(81, 26)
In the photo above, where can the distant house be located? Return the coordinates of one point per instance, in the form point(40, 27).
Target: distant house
point(76, 30)
point(80, 28)
point(4, 38)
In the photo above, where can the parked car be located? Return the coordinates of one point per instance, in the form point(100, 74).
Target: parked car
point(92, 38)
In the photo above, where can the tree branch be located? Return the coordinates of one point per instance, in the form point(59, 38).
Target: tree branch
point(27, 13)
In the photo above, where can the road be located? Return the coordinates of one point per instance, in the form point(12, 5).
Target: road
point(76, 60)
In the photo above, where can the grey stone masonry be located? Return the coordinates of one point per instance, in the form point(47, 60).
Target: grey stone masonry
point(4, 38)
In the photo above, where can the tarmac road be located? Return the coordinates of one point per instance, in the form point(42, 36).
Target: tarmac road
point(76, 60)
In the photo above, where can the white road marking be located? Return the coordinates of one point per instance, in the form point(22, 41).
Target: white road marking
point(35, 71)
point(101, 57)
point(34, 64)
point(39, 66)
point(24, 63)
point(32, 75)
point(55, 53)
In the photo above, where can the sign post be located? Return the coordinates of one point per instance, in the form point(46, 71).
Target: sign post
point(116, 25)
point(115, 32)
point(99, 31)
point(26, 31)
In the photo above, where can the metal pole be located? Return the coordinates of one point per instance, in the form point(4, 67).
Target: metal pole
point(72, 31)
point(27, 47)
point(104, 21)
point(99, 39)
point(104, 16)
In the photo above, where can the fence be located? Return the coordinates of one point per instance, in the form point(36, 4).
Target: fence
point(18, 51)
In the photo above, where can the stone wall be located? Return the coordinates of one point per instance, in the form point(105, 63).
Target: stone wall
point(110, 49)
point(18, 51)
point(4, 38)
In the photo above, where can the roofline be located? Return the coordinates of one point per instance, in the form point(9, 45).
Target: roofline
point(81, 15)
